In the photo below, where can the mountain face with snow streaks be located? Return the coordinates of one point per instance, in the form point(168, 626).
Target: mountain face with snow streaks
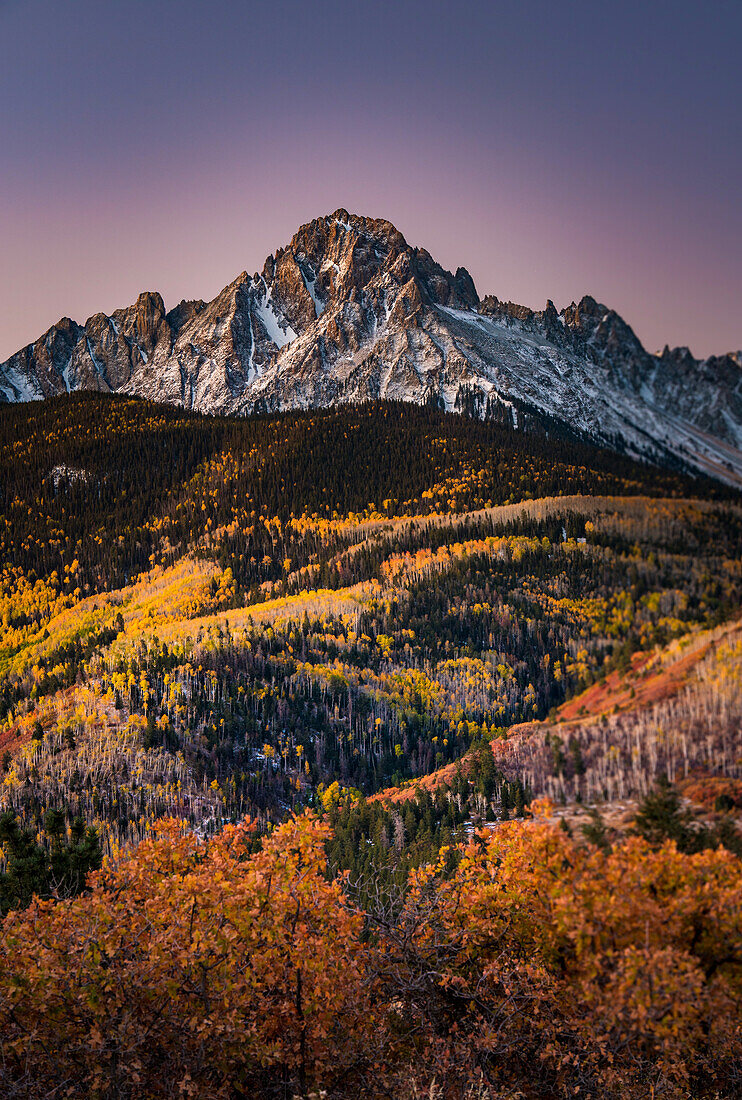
point(348, 312)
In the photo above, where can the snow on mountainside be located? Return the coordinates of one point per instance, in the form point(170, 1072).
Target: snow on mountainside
point(348, 311)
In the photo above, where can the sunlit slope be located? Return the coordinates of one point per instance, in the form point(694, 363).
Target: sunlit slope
point(96, 489)
point(183, 691)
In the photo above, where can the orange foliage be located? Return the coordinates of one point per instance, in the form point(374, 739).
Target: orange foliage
point(578, 971)
point(706, 789)
point(199, 969)
point(190, 970)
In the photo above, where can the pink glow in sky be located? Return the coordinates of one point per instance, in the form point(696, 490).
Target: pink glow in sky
point(553, 150)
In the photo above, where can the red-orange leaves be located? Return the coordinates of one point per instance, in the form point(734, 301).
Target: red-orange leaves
point(577, 969)
point(536, 964)
point(192, 969)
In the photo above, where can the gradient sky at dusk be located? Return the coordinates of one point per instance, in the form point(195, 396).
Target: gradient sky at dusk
point(554, 149)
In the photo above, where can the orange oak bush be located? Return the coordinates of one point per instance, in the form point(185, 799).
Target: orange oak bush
point(190, 970)
point(548, 963)
point(532, 965)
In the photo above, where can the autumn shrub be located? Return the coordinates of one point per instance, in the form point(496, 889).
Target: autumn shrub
point(535, 965)
point(191, 969)
point(567, 969)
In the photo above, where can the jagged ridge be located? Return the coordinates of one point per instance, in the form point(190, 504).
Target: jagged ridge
point(348, 311)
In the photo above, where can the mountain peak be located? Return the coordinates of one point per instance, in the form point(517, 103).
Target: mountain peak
point(150, 301)
point(349, 311)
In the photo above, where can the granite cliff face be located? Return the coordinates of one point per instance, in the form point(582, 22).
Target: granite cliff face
point(348, 311)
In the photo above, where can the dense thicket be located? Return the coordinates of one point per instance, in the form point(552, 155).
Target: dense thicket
point(531, 964)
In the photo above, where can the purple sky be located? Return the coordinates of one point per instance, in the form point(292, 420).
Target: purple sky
point(553, 149)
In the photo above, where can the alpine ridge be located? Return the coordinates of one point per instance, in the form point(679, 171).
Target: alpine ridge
point(350, 312)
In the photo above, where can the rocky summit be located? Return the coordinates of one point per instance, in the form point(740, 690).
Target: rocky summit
point(350, 312)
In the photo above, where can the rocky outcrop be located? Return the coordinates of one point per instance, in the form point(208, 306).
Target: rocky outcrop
point(348, 311)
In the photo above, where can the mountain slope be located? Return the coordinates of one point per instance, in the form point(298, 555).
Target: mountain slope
point(348, 311)
point(666, 712)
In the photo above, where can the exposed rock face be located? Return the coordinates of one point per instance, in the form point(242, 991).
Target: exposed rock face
point(348, 311)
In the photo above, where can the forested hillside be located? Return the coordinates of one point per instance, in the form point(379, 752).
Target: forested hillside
point(373, 631)
point(117, 484)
